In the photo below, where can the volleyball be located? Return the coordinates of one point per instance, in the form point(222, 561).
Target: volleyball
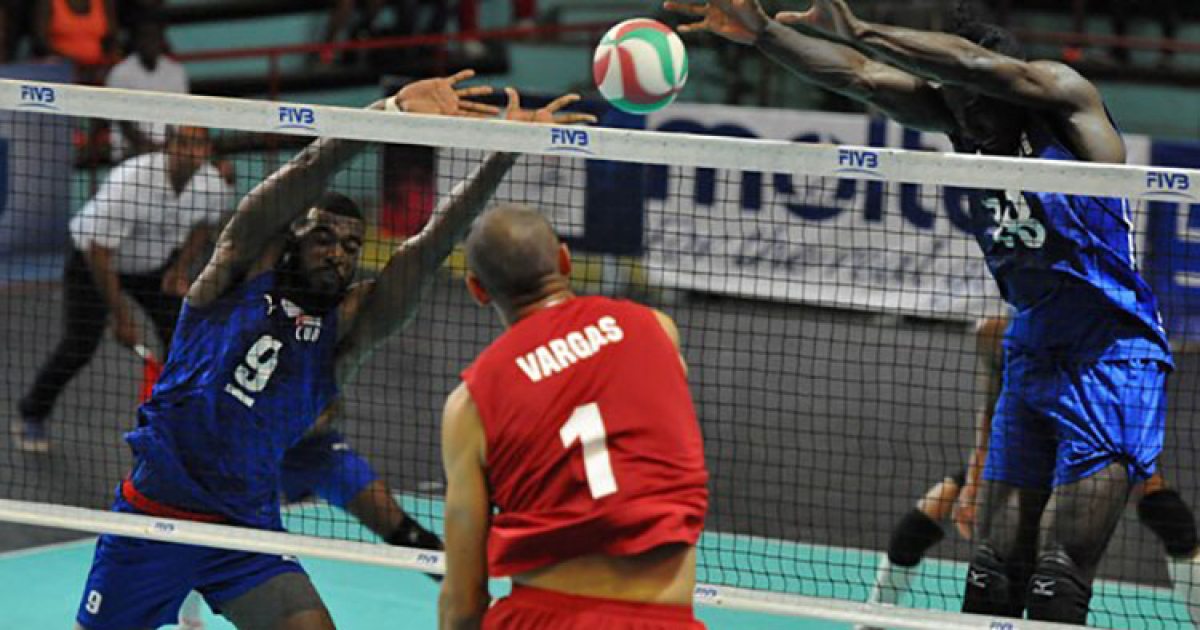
point(640, 65)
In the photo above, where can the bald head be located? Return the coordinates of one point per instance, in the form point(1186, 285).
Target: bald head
point(513, 250)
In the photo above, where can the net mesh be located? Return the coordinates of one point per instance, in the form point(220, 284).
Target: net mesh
point(829, 322)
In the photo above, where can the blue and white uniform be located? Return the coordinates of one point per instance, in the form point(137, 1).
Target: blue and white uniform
point(324, 465)
point(1086, 356)
point(247, 376)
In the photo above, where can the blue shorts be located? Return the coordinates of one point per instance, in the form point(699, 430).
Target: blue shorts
point(1056, 423)
point(136, 583)
point(325, 466)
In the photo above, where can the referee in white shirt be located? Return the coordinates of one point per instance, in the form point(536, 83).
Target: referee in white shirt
point(135, 240)
point(147, 67)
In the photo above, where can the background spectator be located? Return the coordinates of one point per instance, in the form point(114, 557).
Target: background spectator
point(147, 67)
point(80, 30)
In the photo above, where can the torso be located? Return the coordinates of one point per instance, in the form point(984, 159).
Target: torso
point(77, 28)
point(601, 372)
point(247, 376)
point(1067, 264)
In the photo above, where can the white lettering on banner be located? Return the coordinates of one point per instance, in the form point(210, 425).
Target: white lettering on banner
point(561, 353)
point(849, 243)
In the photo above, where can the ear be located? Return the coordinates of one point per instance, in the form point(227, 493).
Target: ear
point(564, 260)
point(478, 293)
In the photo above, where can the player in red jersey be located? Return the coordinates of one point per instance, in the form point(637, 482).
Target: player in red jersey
point(577, 425)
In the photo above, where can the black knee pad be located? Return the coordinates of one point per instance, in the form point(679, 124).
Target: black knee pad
point(912, 537)
point(1171, 519)
point(989, 590)
point(1058, 590)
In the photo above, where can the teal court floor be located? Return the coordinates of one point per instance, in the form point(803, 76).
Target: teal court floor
point(43, 584)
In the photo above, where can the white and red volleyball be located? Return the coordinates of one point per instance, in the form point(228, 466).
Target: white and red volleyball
point(640, 65)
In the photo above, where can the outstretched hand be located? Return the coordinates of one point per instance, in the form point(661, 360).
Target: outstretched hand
point(547, 114)
point(830, 17)
point(739, 21)
point(442, 97)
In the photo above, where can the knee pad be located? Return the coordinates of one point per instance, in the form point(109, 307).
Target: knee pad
point(1165, 513)
point(1058, 590)
point(989, 590)
point(912, 537)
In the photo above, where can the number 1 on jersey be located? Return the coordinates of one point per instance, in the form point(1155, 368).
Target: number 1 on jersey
point(587, 426)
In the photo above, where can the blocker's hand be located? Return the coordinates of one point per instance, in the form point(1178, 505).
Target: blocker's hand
point(829, 17)
point(442, 97)
point(547, 114)
point(966, 508)
point(739, 21)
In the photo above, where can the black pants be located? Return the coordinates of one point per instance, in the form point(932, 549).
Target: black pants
point(85, 316)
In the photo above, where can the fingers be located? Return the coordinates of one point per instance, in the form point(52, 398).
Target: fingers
point(561, 102)
point(686, 9)
point(476, 90)
point(461, 75)
point(789, 17)
point(514, 101)
point(575, 119)
point(694, 27)
point(478, 108)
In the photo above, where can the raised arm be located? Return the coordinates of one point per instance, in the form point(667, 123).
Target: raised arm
point(464, 597)
point(950, 59)
point(908, 99)
point(267, 210)
point(375, 310)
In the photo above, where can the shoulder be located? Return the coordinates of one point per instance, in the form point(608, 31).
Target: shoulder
point(120, 72)
point(142, 169)
point(460, 416)
point(1068, 81)
point(668, 325)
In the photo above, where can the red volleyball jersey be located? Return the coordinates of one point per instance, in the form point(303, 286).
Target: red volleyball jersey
point(592, 440)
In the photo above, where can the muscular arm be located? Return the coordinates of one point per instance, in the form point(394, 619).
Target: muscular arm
point(375, 310)
point(464, 597)
point(267, 210)
point(907, 99)
point(175, 280)
point(950, 59)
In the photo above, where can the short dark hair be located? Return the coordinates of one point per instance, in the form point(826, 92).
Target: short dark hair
point(969, 25)
point(337, 203)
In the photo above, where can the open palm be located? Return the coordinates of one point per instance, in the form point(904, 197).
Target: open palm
point(443, 96)
point(739, 21)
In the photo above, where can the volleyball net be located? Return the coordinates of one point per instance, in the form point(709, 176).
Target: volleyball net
point(828, 298)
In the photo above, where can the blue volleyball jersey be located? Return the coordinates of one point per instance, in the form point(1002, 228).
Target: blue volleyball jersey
point(1067, 265)
point(247, 376)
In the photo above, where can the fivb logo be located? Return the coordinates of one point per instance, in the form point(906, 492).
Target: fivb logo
point(858, 162)
point(705, 593)
point(1168, 186)
point(568, 140)
point(38, 97)
point(297, 117)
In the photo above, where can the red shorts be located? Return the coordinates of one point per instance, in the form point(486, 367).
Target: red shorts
point(530, 608)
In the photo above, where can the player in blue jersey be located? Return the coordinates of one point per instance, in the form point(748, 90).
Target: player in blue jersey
point(322, 464)
point(268, 331)
point(1080, 419)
